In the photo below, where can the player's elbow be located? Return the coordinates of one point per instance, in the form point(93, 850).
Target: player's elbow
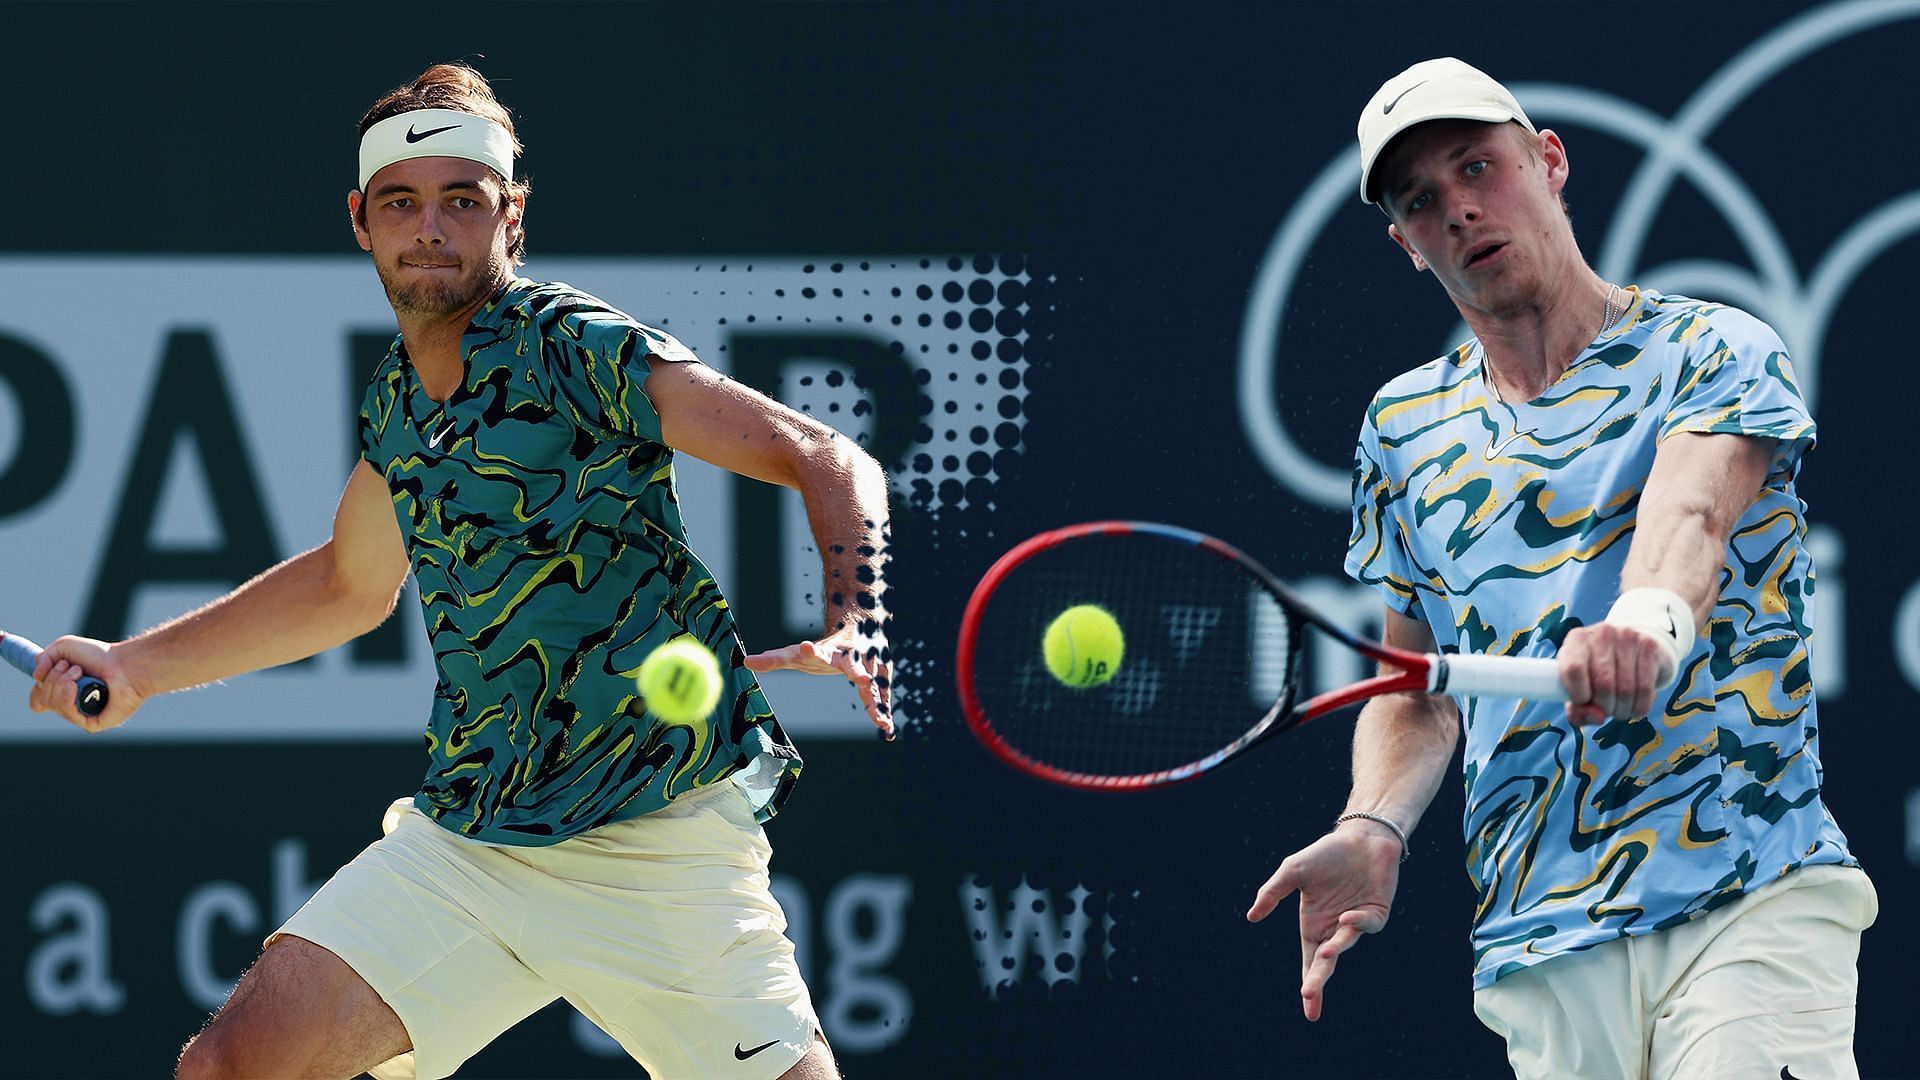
point(1443, 716)
point(1435, 715)
point(866, 481)
point(379, 605)
point(827, 459)
point(366, 595)
point(375, 603)
point(866, 472)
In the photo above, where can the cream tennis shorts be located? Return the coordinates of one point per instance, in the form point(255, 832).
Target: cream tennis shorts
point(1762, 987)
point(661, 930)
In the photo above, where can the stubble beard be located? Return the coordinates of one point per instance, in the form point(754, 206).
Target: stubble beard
point(435, 298)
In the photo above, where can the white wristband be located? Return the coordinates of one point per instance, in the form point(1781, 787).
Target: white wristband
point(1666, 617)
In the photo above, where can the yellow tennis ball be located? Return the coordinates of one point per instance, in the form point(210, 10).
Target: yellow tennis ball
point(680, 681)
point(1083, 646)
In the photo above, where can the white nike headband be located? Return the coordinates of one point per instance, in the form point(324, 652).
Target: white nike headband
point(435, 133)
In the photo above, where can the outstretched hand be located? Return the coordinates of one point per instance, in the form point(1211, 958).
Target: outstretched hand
point(1346, 881)
point(862, 658)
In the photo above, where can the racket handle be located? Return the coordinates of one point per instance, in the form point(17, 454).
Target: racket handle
point(91, 695)
point(19, 652)
point(1531, 678)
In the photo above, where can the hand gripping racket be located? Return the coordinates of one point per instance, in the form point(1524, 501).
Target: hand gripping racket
point(1211, 665)
point(22, 653)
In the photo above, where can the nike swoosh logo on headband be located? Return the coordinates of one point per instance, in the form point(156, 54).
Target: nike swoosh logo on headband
point(415, 136)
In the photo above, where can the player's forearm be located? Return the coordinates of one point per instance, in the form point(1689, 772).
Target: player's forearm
point(301, 607)
point(1402, 749)
point(1699, 488)
point(1681, 549)
point(845, 492)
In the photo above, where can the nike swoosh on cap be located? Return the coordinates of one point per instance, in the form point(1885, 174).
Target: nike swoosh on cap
point(1383, 112)
point(745, 1054)
point(415, 136)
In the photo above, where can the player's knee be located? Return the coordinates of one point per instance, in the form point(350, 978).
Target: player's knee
point(215, 1054)
point(818, 1064)
point(205, 1057)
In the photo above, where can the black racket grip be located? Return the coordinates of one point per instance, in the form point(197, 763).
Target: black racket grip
point(91, 697)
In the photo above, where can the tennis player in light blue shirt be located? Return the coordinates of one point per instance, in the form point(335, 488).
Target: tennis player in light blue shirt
point(1606, 475)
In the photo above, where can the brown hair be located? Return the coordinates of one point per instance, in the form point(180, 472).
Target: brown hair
point(462, 89)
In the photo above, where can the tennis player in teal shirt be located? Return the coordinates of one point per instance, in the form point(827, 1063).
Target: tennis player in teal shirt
point(517, 448)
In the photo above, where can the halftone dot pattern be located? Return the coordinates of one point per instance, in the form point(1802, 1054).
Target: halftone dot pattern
point(1032, 934)
point(1204, 642)
point(978, 413)
point(953, 419)
point(958, 322)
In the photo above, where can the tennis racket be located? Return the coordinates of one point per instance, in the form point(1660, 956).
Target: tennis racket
point(1211, 667)
point(22, 653)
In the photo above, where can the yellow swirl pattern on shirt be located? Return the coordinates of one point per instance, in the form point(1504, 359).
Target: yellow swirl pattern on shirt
point(1504, 527)
point(540, 513)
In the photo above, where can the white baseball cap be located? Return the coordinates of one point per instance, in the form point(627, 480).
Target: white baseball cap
point(1443, 89)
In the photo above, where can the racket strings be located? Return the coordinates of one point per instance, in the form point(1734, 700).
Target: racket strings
point(1207, 652)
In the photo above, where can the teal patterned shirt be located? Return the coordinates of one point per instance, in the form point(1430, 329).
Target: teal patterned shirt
point(540, 516)
point(1503, 527)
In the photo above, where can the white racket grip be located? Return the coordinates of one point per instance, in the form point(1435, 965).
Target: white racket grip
point(1531, 678)
point(19, 652)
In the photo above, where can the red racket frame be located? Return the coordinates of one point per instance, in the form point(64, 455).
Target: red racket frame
point(1414, 674)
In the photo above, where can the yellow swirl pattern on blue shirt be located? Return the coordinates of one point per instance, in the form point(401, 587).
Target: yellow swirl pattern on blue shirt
point(1504, 526)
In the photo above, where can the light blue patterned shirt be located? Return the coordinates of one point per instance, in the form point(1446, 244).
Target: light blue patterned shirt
point(1502, 527)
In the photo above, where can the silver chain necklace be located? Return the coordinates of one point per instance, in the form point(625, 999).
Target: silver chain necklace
point(1612, 312)
point(1609, 314)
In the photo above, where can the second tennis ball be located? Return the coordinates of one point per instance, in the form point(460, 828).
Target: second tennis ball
point(1083, 646)
point(680, 681)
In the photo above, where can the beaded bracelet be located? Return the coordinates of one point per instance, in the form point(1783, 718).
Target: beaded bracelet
point(1405, 848)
